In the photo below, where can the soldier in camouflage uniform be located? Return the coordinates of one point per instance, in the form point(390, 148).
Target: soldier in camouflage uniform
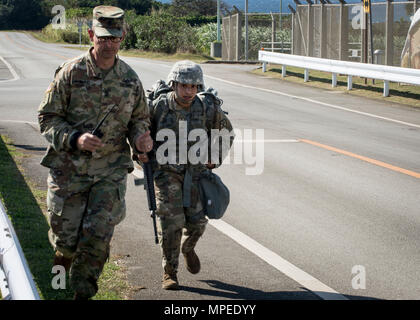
point(88, 173)
point(181, 220)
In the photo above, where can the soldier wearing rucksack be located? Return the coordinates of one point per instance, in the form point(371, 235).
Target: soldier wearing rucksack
point(180, 106)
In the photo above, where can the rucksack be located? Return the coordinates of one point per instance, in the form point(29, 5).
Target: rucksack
point(214, 194)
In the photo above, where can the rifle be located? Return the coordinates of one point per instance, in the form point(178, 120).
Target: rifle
point(150, 190)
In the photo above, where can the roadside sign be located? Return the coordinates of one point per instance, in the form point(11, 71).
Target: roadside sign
point(366, 6)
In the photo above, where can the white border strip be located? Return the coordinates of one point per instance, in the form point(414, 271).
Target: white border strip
point(315, 101)
point(291, 271)
point(12, 71)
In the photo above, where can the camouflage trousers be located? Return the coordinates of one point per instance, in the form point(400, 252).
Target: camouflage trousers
point(179, 228)
point(83, 211)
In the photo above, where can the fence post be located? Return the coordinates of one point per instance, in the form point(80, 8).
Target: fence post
point(334, 80)
point(386, 88)
point(349, 82)
point(310, 31)
point(273, 32)
point(389, 36)
point(306, 75)
point(324, 34)
point(238, 37)
point(292, 42)
point(283, 71)
point(344, 26)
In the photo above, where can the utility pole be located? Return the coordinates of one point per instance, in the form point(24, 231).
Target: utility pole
point(218, 21)
point(281, 10)
point(371, 32)
point(246, 30)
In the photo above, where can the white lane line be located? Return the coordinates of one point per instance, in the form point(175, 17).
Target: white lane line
point(12, 71)
point(305, 99)
point(138, 173)
point(291, 271)
point(267, 140)
point(316, 101)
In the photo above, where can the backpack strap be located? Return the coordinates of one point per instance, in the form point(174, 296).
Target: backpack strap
point(210, 104)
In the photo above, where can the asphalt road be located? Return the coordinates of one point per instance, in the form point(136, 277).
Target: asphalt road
point(333, 212)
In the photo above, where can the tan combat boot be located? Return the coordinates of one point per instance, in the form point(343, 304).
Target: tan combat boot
point(60, 259)
point(192, 262)
point(170, 281)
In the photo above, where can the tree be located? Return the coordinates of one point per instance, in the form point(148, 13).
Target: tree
point(197, 7)
point(27, 14)
point(140, 6)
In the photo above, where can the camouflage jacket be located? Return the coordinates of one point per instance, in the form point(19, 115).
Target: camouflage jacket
point(76, 101)
point(204, 113)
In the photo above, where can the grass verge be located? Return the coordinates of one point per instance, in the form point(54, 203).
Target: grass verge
point(398, 93)
point(26, 208)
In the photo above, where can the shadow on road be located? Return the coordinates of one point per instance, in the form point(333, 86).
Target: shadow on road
point(30, 148)
point(230, 291)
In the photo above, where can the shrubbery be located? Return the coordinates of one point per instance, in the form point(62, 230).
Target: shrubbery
point(159, 32)
point(207, 34)
point(69, 35)
point(162, 32)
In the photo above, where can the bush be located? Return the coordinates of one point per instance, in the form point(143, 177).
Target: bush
point(130, 37)
point(69, 35)
point(196, 21)
point(206, 35)
point(256, 35)
point(163, 32)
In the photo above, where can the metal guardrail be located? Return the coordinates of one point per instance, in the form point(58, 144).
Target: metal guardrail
point(16, 281)
point(365, 70)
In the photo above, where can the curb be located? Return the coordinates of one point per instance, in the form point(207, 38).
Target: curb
point(231, 62)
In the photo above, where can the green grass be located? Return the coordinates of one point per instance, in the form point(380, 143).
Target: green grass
point(113, 284)
point(398, 93)
point(199, 58)
point(44, 38)
point(26, 208)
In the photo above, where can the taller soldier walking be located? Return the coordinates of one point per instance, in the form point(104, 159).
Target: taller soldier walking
point(88, 172)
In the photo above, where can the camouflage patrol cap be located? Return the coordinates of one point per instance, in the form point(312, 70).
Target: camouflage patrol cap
point(186, 72)
point(108, 21)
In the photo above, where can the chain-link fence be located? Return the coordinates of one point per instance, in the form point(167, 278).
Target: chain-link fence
point(263, 31)
point(340, 31)
point(331, 31)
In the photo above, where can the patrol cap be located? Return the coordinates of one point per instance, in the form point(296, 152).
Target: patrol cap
point(108, 21)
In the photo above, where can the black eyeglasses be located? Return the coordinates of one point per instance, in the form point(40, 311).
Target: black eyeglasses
point(112, 39)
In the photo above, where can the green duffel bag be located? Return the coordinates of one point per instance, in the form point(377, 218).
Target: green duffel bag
point(214, 195)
